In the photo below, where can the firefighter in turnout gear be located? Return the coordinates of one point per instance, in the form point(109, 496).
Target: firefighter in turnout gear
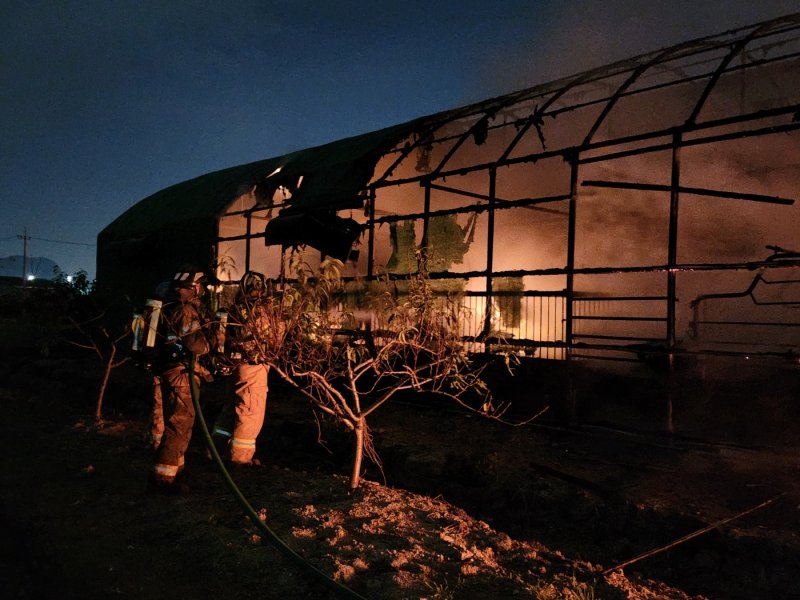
point(185, 333)
point(155, 426)
point(239, 422)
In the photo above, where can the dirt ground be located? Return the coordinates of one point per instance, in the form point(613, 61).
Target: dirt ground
point(463, 508)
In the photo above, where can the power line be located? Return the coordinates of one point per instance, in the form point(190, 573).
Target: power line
point(60, 241)
point(19, 237)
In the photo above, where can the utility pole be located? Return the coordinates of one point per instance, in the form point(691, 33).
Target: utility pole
point(24, 237)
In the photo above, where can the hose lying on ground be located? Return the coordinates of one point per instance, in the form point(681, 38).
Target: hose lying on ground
point(268, 534)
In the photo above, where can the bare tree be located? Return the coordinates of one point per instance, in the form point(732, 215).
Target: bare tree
point(303, 332)
point(81, 319)
point(95, 336)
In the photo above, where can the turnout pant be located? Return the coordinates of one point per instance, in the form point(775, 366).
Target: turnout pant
point(155, 429)
point(178, 423)
point(240, 422)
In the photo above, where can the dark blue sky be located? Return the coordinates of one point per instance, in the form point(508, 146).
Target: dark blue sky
point(105, 102)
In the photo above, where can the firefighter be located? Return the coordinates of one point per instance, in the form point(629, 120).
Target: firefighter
point(185, 335)
point(240, 421)
point(155, 427)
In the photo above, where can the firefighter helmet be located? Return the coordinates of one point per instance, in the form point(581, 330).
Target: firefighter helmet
point(187, 280)
point(253, 283)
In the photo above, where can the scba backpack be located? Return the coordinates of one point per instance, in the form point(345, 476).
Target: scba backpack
point(149, 334)
point(152, 345)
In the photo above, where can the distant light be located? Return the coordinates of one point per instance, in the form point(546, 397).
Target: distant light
point(31, 277)
point(275, 172)
point(69, 278)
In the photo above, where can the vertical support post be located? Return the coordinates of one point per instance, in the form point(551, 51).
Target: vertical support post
point(371, 233)
point(672, 252)
point(248, 241)
point(426, 215)
point(571, 399)
point(672, 261)
point(487, 317)
point(24, 237)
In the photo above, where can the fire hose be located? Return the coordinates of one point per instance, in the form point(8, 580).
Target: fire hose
point(268, 534)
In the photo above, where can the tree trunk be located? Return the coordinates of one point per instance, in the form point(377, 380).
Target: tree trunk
point(358, 454)
point(101, 394)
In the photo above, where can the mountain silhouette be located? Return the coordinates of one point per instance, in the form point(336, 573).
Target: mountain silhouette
point(38, 266)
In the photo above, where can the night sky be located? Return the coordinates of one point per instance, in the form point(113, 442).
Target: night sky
point(107, 102)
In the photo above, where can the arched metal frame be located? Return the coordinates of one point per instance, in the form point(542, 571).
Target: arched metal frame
point(526, 116)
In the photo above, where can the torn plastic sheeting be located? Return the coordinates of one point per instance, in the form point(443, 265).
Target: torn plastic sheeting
point(330, 234)
point(338, 187)
point(336, 175)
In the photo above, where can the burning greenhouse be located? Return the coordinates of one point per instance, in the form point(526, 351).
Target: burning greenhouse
point(647, 206)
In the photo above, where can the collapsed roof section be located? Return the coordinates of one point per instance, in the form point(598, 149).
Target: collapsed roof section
point(179, 224)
